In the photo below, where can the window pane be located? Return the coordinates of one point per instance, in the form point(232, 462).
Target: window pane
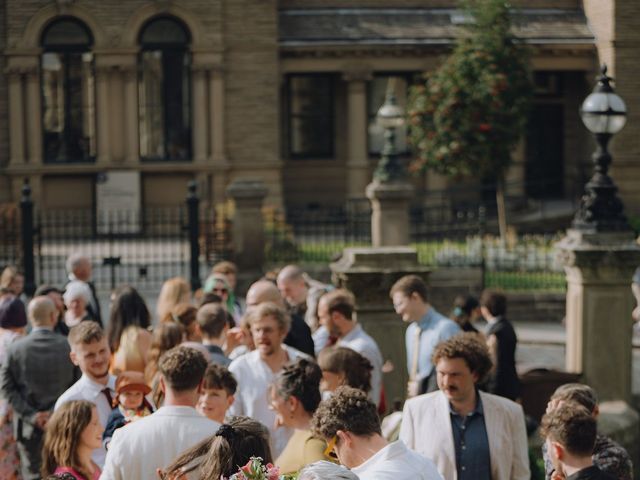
point(310, 116)
point(165, 108)
point(66, 33)
point(68, 94)
point(377, 92)
point(164, 31)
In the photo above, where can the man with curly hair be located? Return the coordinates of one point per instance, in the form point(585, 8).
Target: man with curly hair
point(469, 435)
point(349, 422)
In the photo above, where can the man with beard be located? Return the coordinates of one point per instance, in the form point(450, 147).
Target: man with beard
point(469, 435)
point(90, 351)
point(35, 372)
point(257, 370)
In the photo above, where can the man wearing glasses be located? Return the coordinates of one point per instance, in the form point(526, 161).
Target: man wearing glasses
point(349, 422)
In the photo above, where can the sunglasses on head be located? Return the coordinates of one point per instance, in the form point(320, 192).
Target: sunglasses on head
point(330, 452)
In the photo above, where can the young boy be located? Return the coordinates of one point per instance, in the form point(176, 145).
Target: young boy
point(218, 395)
point(130, 403)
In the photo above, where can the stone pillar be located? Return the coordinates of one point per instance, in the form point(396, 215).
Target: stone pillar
point(200, 126)
point(357, 148)
point(248, 224)
point(103, 114)
point(34, 117)
point(16, 118)
point(390, 212)
point(216, 136)
point(117, 116)
point(599, 267)
point(132, 134)
point(370, 273)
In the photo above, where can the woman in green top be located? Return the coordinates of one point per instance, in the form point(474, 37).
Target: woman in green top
point(294, 396)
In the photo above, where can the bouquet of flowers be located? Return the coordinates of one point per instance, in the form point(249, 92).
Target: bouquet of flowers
point(255, 470)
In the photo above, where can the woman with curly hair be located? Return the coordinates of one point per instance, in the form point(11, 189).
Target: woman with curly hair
point(221, 455)
point(72, 433)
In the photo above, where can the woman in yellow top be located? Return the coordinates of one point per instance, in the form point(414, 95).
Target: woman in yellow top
point(295, 395)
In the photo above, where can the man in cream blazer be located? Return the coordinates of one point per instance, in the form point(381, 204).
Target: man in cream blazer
point(468, 434)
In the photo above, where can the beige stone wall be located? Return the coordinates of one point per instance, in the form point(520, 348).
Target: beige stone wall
point(418, 3)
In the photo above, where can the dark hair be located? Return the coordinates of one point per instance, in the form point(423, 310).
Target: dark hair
point(128, 308)
point(464, 306)
point(208, 298)
point(302, 381)
point(85, 332)
point(222, 454)
point(468, 347)
point(219, 377)
point(355, 367)
point(348, 409)
point(340, 301)
point(494, 301)
point(62, 436)
point(410, 284)
point(572, 426)
point(211, 319)
point(182, 368)
point(579, 393)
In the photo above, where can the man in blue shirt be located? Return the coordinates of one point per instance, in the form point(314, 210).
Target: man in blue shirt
point(427, 328)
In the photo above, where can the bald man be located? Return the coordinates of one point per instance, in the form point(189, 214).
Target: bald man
point(299, 336)
point(37, 370)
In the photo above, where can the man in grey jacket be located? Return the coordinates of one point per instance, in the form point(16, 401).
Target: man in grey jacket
point(36, 371)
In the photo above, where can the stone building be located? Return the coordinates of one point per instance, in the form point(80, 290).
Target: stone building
point(281, 90)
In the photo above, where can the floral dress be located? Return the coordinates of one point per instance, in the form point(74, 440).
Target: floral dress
point(9, 460)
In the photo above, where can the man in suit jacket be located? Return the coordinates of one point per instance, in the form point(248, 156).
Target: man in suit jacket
point(79, 268)
point(36, 371)
point(467, 433)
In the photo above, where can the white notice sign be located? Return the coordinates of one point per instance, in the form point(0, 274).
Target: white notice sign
point(118, 202)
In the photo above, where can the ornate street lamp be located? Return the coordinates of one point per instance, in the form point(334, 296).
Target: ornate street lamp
point(604, 114)
point(390, 116)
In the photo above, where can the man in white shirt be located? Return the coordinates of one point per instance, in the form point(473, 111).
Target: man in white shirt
point(90, 352)
point(349, 422)
point(336, 312)
point(138, 449)
point(256, 370)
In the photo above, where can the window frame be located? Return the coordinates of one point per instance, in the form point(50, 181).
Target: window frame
point(185, 49)
point(64, 51)
point(330, 153)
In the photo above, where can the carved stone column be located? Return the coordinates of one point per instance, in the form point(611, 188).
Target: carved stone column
point(34, 116)
point(103, 114)
point(217, 137)
point(16, 117)
point(200, 124)
point(389, 212)
point(132, 134)
point(599, 268)
point(357, 149)
point(248, 224)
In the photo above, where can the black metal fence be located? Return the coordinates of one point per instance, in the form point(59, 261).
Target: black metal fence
point(141, 247)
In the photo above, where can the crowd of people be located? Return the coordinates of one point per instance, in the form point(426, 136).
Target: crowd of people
point(286, 380)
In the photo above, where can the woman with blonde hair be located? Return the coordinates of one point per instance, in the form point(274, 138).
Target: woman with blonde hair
point(174, 291)
point(12, 280)
point(72, 433)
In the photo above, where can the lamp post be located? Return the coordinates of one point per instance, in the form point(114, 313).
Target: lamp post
point(390, 116)
point(604, 114)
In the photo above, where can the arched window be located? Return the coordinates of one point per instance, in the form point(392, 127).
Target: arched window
point(68, 92)
point(164, 100)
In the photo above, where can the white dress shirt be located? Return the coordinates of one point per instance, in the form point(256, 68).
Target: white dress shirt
point(87, 389)
point(139, 448)
point(360, 341)
point(252, 396)
point(397, 462)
